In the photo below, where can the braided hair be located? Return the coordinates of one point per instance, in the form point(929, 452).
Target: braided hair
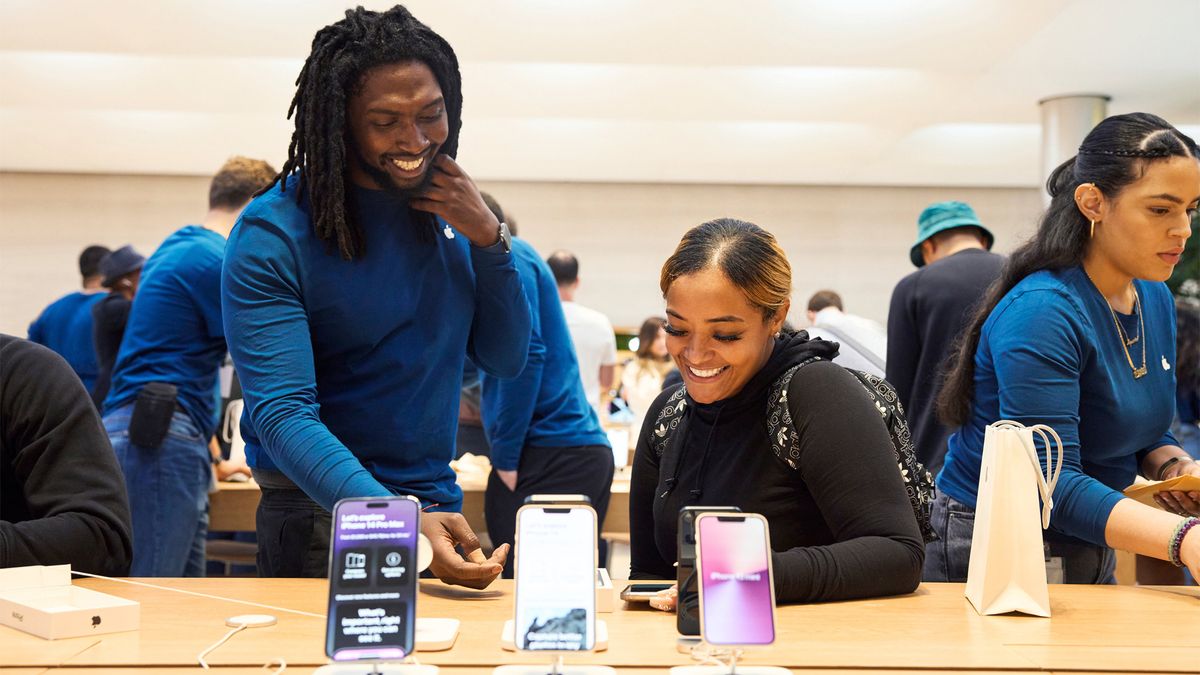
point(1112, 156)
point(342, 53)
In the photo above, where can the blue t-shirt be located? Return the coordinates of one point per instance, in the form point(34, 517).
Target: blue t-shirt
point(1049, 354)
point(174, 333)
point(351, 369)
point(66, 328)
point(545, 405)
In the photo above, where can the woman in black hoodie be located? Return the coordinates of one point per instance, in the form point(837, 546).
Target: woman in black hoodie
point(841, 524)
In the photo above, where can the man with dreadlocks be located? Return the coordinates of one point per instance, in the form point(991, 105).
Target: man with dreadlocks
point(355, 285)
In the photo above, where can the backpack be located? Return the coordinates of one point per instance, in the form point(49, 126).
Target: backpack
point(785, 442)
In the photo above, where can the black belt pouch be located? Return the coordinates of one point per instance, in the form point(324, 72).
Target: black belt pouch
point(152, 413)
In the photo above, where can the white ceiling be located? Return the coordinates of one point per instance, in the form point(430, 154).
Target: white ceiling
point(886, 92)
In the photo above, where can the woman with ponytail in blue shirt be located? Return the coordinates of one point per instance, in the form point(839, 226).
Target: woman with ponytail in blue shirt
point(1079, 334)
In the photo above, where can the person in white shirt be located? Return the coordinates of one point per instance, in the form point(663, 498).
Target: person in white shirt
point(865, 338)
point(591, 332)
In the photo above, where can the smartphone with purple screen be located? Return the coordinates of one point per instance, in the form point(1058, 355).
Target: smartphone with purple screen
point(737, 593)
point(373, 579)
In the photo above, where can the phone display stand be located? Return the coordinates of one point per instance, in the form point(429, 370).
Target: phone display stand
point(376, 668)
point(731, 668)
point(509, 643)
point(436, 635)
point(556, 667)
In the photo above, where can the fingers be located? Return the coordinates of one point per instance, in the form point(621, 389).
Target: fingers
point(665, 599)
point(1180, 503)
point(447, 165)
point(460, 530)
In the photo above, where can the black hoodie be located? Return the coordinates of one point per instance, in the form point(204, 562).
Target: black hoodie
point(841, 525)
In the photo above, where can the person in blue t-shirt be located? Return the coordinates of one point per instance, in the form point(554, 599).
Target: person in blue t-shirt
point(66, 325)
point(545, 437)
point(161, 408)
point(355, 287)
point(1078, 334)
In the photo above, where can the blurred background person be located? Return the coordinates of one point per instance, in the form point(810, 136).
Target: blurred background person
point(929, 310)
point(121, 271)
point(66, 325)
point(161, 410)
point(863, 341)
point(591, 332)
point(643, 376)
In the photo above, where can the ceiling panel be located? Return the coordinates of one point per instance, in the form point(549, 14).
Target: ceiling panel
point(928, 92)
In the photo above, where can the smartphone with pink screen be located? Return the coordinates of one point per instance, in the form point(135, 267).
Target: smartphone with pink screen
point(737, 593)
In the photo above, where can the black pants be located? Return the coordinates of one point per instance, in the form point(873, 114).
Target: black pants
point(584, 470)
point(293, 530)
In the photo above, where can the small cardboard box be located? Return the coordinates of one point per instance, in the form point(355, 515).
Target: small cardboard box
point(41, 600)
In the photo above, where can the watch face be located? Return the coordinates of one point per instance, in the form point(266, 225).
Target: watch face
point(506, 237)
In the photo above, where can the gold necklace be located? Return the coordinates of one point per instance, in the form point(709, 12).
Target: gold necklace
point(1138, 373)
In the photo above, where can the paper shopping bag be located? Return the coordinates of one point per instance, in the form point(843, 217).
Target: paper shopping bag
point(1007, 571)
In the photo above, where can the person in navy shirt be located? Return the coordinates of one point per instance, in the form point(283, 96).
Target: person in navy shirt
point(66, 325)
point(1079, 334)
point(545, 437)
point(355, 287)
point(175, 339)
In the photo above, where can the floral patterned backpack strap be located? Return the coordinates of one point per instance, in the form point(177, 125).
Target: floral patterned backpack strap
point(668, 420)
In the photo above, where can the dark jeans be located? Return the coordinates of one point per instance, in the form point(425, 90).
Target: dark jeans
point(586, 470)
point(293, 530)
point(948, 558)
point(168, 495)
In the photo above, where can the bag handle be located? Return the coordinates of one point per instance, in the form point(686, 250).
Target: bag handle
point(1048, 480)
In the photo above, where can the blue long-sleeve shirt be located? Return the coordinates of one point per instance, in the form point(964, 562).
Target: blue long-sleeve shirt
point(66, 328)
point(351, 369)
point(1049, 354)
point(545, 406)
point(174, 333)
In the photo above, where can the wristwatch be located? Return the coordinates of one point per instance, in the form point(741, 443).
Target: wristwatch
point(505, 238)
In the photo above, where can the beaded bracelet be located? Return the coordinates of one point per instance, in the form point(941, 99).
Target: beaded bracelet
point(1176, 544)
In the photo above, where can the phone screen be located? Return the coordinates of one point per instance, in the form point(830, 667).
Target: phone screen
point(372, 579)
point(556, 578)
point(737, 602)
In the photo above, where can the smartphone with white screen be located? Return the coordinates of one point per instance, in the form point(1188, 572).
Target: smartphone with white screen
point(737, 593)
point(556, 578)
point(373, 579)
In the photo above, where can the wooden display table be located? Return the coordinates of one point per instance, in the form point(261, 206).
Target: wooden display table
point(1094, 628)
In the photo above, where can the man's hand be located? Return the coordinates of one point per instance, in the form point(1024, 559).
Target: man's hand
point(447, 530)
point(229, 467)
point(509, 478)
point(452, 195)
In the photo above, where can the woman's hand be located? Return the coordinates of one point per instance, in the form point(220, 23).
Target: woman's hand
point(1177, 501)
point(666, 599)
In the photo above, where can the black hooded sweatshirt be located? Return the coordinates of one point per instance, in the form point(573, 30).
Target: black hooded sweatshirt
point(841, 525)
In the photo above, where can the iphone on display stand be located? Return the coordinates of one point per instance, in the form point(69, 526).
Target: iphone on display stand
point(555, 603)
point(687, 606)
point(374, 553)
point(737, 592)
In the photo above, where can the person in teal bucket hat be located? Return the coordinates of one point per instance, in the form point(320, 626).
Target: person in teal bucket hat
point(940, 217)
point(928, 310)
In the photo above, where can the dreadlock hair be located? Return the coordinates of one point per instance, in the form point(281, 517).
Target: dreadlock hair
point(342, 53)
point(1112, 156)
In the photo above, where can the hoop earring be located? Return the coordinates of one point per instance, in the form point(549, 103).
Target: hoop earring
point(1092, 233)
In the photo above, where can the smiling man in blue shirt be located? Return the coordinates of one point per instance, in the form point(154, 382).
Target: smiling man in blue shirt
point(354, 288)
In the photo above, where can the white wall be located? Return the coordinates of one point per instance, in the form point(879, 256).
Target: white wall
point(852, 239)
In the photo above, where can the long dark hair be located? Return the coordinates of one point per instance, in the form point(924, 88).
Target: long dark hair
point(341, 54)
point(1112, 156)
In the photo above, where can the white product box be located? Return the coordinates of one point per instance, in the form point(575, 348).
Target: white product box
point(41, 600)
point(604, 591)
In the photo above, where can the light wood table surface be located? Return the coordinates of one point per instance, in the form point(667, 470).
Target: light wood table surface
point(233, 505)
point(1102, 629)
